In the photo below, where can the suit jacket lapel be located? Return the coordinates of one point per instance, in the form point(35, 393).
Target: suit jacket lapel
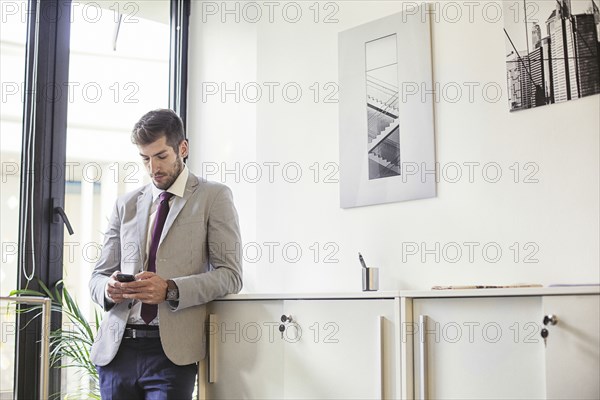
point(178, 204)
point(143, 212)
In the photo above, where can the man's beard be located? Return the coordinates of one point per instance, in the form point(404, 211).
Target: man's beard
point(172, 177)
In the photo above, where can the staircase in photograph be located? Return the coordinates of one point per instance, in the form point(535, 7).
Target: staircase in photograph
point(384, 163)
point(383, 121)
point(384, 134)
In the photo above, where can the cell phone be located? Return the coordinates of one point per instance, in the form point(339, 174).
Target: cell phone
point(125, 278)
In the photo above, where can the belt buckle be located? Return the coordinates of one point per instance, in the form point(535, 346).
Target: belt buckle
point(130, 333)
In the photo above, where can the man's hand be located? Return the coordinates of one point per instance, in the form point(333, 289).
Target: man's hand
point(148, 287)
point(114, 292)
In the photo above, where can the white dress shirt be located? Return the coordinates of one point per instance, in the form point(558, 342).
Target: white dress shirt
point(178, 189)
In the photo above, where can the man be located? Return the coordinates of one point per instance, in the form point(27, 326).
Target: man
point(183, 247)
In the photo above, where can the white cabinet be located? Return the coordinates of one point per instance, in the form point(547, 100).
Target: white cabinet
point(478, 348)
point(491, 347)
point(572, 347)
point(330, 349)
point(347, 350)
point(245, 351)
point(458, 345)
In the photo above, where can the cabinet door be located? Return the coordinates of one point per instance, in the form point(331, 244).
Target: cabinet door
point(341, 349)
point(573, 347)
point(245, 350)
point(478, 348)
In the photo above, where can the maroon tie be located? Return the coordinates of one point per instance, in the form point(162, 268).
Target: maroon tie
point(149, 311)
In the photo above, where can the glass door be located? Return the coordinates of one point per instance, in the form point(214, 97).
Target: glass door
point(104, 64)
point(118, 70)
point(12, 64)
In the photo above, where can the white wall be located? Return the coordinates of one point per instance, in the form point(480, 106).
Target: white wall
point(558, 217)
point(223, 133)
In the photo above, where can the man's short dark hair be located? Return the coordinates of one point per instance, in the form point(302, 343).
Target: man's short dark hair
point(157, 123)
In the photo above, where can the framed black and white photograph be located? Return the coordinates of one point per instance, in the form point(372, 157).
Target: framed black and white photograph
point(552, 51)
point(386, 123)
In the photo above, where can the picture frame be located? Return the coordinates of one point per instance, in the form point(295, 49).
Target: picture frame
point(386, 120)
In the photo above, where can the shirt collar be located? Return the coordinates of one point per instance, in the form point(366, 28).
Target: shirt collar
point(177, 188)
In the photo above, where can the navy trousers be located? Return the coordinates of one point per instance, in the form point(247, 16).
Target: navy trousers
point(141, 370)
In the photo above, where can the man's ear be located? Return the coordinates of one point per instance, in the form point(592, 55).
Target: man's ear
point(183, 148)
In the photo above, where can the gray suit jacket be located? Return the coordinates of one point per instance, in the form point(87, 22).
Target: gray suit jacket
point(199, 249)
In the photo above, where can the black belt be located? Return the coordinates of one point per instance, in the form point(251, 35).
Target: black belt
point(141, 332)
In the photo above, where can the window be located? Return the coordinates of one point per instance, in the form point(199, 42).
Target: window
point(79, 97)
point(13, 31)
point(118, 70)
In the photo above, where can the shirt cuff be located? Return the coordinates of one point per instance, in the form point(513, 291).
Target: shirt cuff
point(107, 299)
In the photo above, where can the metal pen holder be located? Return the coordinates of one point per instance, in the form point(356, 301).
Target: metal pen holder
point(370, 279)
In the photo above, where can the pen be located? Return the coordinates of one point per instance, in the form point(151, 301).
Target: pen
point(362, 260)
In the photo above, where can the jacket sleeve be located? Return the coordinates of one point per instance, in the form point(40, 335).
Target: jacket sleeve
point(224, 256)
point(109, 262)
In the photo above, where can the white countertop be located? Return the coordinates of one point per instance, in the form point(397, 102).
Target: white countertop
point(537, 291)
point(313, 296)
point(524, 291)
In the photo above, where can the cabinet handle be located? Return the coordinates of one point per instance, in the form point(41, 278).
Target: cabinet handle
point(423, 358)
point(212, 348)
point(381, 338)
